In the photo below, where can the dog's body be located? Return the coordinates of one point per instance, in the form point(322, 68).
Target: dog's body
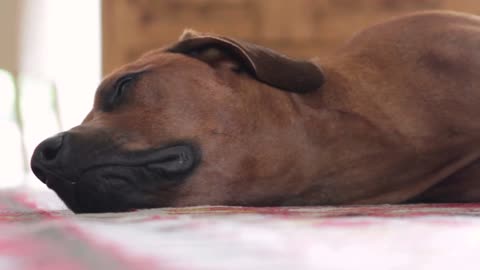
point(415, 83)
point(390, 118)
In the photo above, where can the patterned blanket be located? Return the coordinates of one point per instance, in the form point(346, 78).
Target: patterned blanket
point(37, 232)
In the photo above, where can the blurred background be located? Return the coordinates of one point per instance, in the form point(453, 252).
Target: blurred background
point(53, 53)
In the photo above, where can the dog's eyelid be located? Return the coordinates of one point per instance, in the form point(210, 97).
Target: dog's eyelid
point(121, 85)
point(114, 96)
point(123, 82)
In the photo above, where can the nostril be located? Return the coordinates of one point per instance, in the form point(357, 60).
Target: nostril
point(50, 152)
point(46, 157)
point(51, 147)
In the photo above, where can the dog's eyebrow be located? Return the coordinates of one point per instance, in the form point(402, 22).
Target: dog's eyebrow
point(105, 83)
point(110, 80)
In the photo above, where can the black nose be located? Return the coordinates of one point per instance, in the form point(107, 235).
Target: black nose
point(48, 150)
point(46, 155)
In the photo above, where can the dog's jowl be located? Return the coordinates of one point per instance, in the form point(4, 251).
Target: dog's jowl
point(391, 117)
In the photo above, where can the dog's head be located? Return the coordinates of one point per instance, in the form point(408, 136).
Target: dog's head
point(209, 120)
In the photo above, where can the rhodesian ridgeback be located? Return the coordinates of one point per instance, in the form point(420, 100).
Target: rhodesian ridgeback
point(391, 117)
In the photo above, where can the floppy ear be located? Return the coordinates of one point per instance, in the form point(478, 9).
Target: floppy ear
point(262, 63)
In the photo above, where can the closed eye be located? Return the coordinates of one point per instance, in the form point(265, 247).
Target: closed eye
point(121, 86)
point(115, 97)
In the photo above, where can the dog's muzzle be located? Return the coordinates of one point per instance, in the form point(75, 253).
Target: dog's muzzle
point(92, 174)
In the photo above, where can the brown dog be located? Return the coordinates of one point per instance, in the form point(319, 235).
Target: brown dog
point(391, 117)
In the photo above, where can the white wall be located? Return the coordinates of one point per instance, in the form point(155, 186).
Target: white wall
point(59, 43)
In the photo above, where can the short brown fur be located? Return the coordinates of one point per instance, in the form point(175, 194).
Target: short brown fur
point(395, 121)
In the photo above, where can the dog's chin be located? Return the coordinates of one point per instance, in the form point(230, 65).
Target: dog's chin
point(64, 190)
point(113, 190)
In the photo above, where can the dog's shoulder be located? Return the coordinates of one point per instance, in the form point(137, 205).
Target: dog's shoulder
point(417, 29)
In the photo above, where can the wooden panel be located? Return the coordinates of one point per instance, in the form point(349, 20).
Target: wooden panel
point(301, 28)
point(9, 31)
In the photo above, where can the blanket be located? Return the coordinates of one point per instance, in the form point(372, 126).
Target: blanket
point(38, 232)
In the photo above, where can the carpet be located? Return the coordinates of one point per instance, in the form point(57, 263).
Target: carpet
point(38, 232)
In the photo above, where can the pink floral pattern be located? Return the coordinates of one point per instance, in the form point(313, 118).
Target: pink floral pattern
point(37, 232)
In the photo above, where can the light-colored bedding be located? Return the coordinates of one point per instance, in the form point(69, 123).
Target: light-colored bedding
point(37, 232)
